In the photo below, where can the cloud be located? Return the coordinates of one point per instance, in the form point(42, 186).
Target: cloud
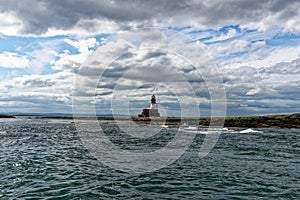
point(258, 55)
point(37, 93)
point(72, 62)
point(283, 68)
point(37, 82)
point(83, 45)
point(247, 40)
point(11, 25)
point(40, 58)
point(134, 65)
point(46, 16)
point(13, 60)
point(254, 91)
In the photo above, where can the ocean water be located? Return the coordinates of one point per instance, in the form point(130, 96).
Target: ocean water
point(45, 159)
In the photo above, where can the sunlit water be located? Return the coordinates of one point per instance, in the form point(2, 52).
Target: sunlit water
point(45, 159)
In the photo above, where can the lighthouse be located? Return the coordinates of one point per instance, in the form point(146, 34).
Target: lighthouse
point(153, 104)
point(152, 111)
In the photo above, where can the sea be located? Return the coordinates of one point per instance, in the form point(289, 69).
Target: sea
point(47, 159)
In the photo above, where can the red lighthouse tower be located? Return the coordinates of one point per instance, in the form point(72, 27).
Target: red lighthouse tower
point(152, 111)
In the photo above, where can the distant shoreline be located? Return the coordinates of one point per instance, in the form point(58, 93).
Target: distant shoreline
point(268, 121)
point(6, 116)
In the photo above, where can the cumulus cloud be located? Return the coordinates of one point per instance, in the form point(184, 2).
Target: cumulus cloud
point(36, 81)
point(256, 74)
point(72, 62)
point(132, 66)
point(11, 25)
point(13, 60)
point(254, 91)
point(283, 68)
point(83, 45)
point(39, 93)
point(65, 15)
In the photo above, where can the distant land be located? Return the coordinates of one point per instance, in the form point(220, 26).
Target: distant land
point(6, 116)
point(268, 121)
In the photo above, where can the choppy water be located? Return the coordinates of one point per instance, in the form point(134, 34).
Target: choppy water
point(45, 159)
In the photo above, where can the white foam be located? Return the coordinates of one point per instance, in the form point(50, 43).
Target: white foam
point(3, 133)
point(191, 128)
point(197, 131)
point(249, 130)
point(208, 132)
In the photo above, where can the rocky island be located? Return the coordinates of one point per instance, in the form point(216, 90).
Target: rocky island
point(268, 121)
point(6, 116)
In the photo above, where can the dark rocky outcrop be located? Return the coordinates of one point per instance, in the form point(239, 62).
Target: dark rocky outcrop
point(271, 121)
point(6, 116)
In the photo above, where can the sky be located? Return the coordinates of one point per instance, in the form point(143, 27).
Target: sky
point(237, 57)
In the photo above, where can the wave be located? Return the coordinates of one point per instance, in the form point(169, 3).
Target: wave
point(191, 128)
point(3, 133)
point(249, 130)
point(210, 130)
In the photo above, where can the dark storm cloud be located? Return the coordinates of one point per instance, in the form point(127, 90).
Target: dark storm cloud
point(39, 16)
